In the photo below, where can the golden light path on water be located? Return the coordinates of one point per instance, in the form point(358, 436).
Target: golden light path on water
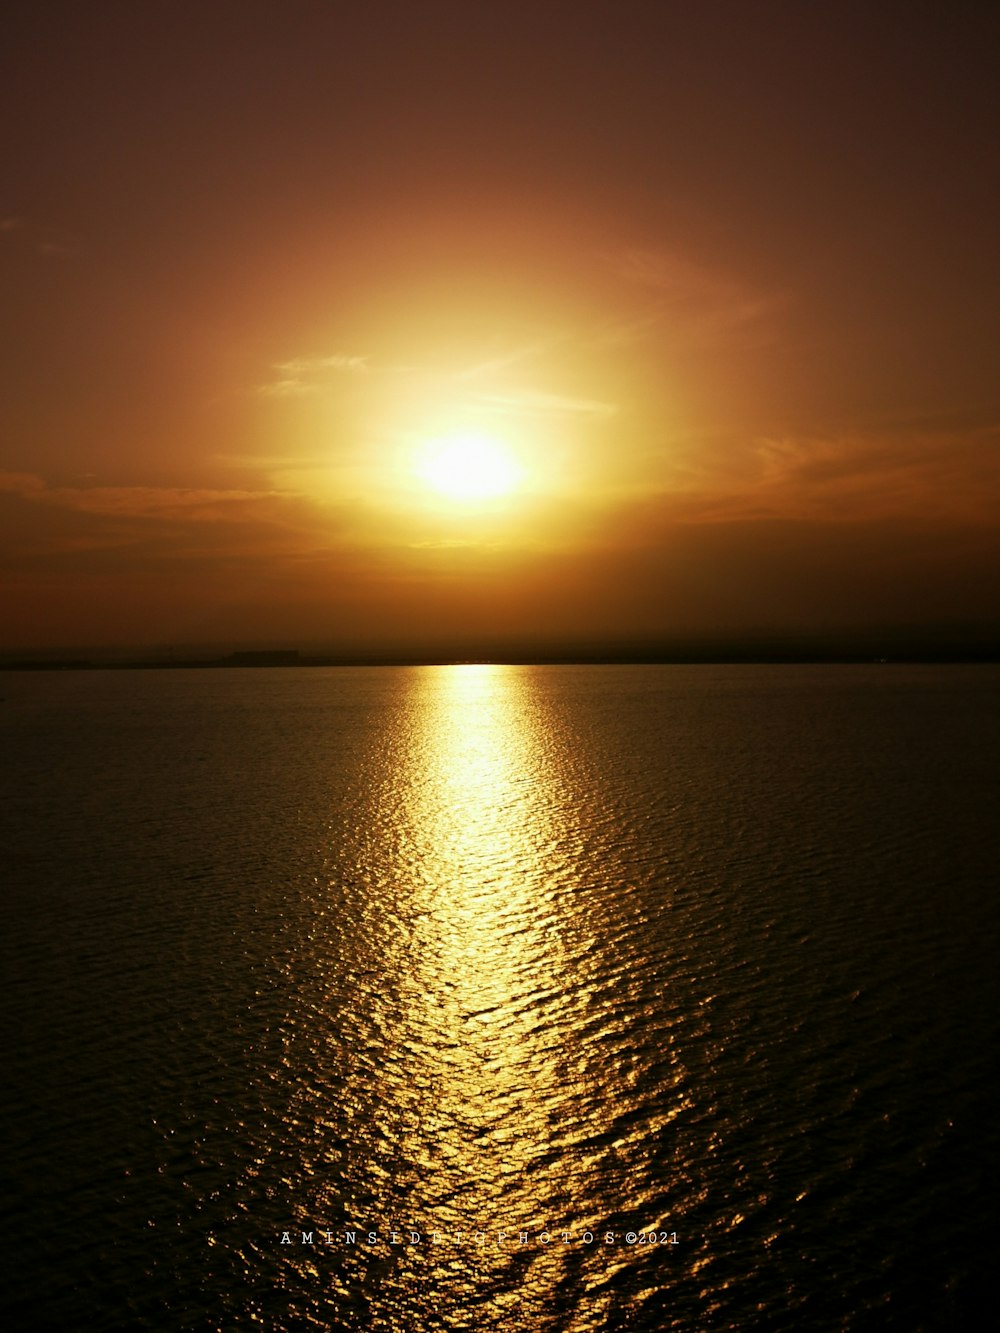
point(485, 974)
point(460, 1076)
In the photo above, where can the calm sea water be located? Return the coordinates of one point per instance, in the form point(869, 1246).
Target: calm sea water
point(473, 997)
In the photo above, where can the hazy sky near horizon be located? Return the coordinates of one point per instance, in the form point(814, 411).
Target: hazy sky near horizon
point(721, 278)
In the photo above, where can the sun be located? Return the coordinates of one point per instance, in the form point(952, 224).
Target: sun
point(469, 465)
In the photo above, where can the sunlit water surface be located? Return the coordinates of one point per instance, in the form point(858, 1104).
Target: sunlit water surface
point(605, 997)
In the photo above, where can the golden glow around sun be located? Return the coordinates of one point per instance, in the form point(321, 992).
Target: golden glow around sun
point(469, 465)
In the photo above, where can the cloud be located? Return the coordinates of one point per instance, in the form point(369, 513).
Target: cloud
point(303, 376)
point(529, 403)
point(941, 473)
point(625, 331)
point(490, 365)
point(139, 501)
point(42, 240)
point(126, 533)
point(21, 483)
point(287, 387)
point(316, 365)
point(702, 303)
point(481, 387)
point(932, 472)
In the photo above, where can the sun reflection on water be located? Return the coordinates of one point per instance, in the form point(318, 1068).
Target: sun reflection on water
point(485, 960)
point(472, 1012)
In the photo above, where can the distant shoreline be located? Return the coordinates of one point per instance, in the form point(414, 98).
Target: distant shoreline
point(940, 654)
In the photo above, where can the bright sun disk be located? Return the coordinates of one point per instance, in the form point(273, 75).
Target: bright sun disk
point(469, 466)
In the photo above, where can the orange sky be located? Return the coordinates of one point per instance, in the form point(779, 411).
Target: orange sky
point(723, 278)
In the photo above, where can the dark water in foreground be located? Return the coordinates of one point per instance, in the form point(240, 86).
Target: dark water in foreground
point(694, 962)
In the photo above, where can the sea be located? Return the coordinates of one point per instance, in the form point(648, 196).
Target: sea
point(487, 997)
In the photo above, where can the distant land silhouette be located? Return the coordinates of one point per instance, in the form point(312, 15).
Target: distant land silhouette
point(922, 645)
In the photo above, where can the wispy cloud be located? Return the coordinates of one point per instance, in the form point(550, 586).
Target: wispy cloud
point(469, 386)
point(701, 303)
point(129, 531)
point(38, 238)
point(933, 473)
point(304, 376)
point(937, 472)
point(502, 361)
point(310, 366)
point(21, 483)
point(199, 503)
point(535, 404)
point(626, 330)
